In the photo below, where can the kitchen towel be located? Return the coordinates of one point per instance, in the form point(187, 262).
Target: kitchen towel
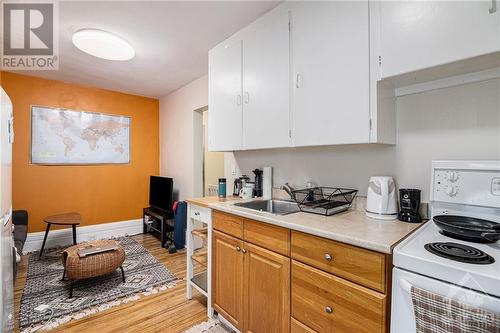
point(436, 313)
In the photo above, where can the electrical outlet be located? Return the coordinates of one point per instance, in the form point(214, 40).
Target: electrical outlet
point(42, 308)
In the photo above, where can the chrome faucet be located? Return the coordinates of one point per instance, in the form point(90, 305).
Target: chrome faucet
point(288, 189)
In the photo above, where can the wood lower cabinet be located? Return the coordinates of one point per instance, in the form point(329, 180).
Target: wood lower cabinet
point(271, 279)
point(365, 267)
point(270, 237)
point(228, 224)
point(327, 303)
point(227, 278)
point(266, 290)
point(251, 284)
point(297, 327)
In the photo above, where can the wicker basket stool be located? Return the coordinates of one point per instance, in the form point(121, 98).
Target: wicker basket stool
point(76, 268)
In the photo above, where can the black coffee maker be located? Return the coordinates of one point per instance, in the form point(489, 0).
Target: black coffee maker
point(409, 205)
point(258, 183)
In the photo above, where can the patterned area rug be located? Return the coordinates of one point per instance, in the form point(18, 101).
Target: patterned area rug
point(210, 326)
point(43, 285)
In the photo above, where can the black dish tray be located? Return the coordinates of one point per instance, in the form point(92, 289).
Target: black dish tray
point(324, 200)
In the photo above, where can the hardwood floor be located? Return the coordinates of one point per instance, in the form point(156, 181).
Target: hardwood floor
point(167, 311)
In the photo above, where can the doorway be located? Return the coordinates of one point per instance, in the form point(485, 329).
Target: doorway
point(209, 166)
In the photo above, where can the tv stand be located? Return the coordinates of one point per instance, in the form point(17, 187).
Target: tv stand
point(158, 221)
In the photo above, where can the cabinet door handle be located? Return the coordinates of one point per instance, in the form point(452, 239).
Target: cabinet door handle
point(238, 248)
point(328, 257)
point(493, 8)
point(247, 97)
point(298, 80)
point(243, 250)
point(328, 309)
point(238, 100)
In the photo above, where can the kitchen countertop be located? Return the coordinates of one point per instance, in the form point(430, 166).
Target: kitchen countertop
point(351, 227)
point(206, 201)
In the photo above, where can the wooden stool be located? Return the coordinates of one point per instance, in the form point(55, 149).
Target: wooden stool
point(72, 219)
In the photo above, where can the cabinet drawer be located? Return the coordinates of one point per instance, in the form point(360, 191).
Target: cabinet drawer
point(199, 213)
point(352, 263)
point(297, 327)
point(269, 236)
point(326, 303)
point(227, 223)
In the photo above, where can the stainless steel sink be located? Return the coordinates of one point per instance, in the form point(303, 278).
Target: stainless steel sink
point(278, 207)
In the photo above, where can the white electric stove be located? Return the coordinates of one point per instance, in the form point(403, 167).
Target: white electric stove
point(464, 188)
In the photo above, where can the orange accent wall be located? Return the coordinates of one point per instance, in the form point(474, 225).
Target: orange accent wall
point(101, 193)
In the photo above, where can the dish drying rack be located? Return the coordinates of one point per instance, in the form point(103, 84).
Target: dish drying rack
point(324, 200)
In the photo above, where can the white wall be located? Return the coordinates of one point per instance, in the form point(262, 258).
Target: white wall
point(453, 123)
point(177, 134)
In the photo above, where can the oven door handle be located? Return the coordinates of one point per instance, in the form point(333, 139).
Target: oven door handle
point(405, 285)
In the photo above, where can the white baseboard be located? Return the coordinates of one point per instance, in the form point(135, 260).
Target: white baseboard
point(62, 237)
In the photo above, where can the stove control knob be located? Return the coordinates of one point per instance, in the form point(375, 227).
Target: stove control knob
point(452, 191)
point(453, 176)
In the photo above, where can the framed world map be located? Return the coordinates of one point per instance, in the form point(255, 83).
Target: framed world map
point(61, 136)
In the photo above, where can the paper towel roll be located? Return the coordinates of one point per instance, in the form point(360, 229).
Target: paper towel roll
point(267, 183)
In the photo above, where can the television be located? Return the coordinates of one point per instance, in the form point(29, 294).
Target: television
point(160, 192)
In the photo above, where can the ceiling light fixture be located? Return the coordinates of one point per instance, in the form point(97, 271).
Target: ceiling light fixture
point(103, 44)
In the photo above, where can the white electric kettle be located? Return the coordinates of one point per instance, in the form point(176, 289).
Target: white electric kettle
point(381, 199)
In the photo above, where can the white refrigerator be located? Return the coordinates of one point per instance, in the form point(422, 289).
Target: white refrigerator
point(6, 269)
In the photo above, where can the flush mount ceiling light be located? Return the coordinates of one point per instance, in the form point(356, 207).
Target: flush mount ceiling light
point(103, 44)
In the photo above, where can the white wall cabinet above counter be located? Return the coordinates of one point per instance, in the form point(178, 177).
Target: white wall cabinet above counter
point(325, 72)
point(249, 91)
point(420, 34)
point(331, 90)
point(225, 97)
point(266, 77)
point(305, 81)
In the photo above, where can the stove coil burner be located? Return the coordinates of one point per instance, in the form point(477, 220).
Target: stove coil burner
point(460, 252)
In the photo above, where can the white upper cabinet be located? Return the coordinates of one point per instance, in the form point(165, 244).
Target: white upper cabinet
point(422, 34)
point(225, 97)
point(331, 81)
point(249, 86)
point(266, 79)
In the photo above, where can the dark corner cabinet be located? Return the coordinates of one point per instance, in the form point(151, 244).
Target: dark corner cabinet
point(160, 222)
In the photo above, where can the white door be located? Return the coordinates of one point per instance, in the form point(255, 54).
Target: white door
point(225, 96)
point(6, 140)
point(266, 81)
point(422, 34)
point(331, 72)
point(6, 269)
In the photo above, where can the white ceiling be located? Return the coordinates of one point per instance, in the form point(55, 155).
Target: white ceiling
point(171, 39)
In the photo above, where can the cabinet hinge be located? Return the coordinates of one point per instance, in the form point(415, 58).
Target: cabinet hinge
point(380, 60)
point(290, 133)
point(289, 26)
point(370, 124)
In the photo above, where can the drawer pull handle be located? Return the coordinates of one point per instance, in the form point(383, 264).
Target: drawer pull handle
point(238, 248)
point(243, 250)
point(328, 257)
point(328, 309)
